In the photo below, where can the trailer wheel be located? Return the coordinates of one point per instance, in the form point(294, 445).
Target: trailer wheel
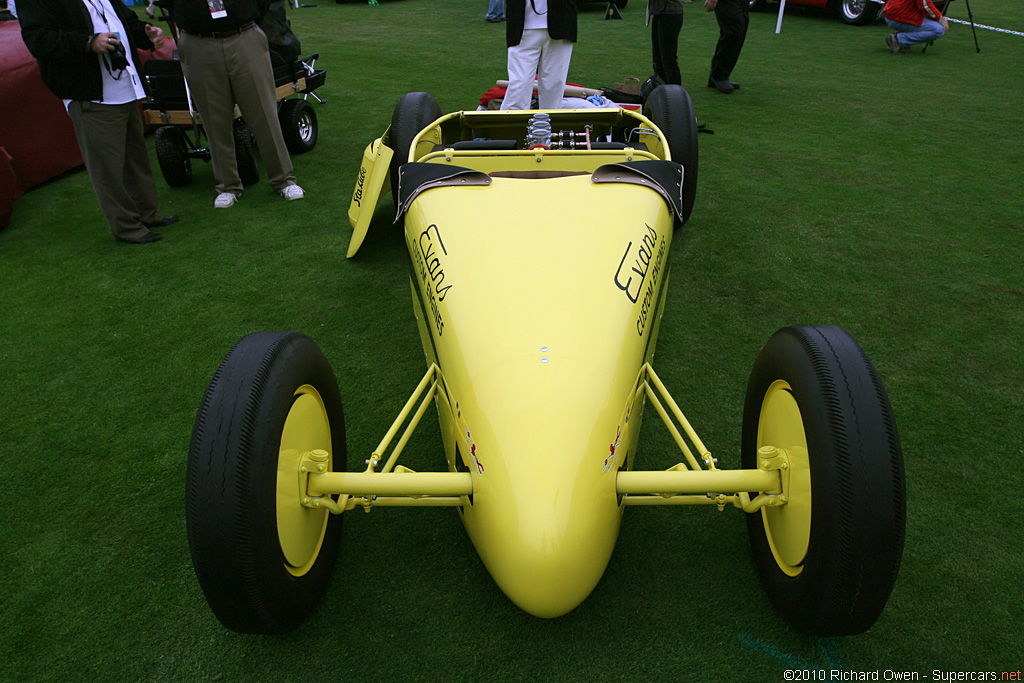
point(262, 559)
point(671, 109)
point(298, 125)
point(829, 557)
point(412, 114)
point(172, 155)
point(245, 153)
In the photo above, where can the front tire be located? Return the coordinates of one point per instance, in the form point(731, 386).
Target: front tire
point(262, 559)
point(829, 557)
point(671, 109)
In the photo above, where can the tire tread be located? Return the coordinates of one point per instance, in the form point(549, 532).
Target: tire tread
point(858, 505)
point(247, 591)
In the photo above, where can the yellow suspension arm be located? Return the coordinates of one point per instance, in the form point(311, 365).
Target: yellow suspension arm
point(688, 483)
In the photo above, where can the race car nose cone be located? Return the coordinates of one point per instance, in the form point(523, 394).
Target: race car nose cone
point(550, 568)
point(546, 531)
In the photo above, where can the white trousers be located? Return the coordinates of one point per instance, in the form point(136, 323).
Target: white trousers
point(537, 54)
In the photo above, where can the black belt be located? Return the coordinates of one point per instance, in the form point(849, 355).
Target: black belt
point(222, 34)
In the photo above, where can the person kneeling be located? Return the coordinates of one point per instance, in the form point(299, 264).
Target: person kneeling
point(914, 22)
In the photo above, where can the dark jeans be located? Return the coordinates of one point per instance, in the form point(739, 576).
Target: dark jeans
point(665, 30)
point(732, 16)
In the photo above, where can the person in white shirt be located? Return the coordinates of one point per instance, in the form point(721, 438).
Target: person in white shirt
point(540, 36)
point(86, 55)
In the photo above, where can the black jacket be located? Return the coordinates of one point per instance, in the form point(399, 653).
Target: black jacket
point(561, 20)
point(194, 15)
point(58, 34)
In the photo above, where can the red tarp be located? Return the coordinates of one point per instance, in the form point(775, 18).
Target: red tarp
point(37, 141)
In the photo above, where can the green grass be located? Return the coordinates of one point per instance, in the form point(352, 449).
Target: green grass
point(843, 185)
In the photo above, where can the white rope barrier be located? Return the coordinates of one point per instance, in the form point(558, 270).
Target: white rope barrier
point(990, 28)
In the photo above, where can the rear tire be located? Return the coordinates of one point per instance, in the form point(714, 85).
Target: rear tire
point(671, 109)
point(172, 155)
point(412, 114)
point(829, 557)
point(298, 125)
point(262, 559)
point(245, 153)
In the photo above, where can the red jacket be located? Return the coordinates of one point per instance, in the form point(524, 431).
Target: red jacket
point(911, 11)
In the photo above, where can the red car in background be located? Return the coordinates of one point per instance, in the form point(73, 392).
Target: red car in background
point(850, 11)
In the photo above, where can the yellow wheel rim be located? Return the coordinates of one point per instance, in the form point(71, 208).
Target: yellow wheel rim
point(788, 527)
point(300, 530)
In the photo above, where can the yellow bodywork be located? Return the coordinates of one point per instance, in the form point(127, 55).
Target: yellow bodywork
point(540, 317)
point(538, 298)
point(373, 179)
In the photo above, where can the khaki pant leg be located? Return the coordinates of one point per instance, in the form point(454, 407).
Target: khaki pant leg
point(101, 133)
point(138, 174)
point(252, 81)
point(205, 69)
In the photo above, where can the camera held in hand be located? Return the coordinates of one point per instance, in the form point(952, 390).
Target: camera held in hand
point(118, 60)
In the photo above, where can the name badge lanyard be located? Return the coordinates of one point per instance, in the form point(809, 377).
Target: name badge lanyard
point(105, 57)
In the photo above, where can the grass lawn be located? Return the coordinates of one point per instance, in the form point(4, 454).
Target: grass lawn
point(843, 185)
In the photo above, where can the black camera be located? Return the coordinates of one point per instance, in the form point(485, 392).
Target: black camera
point(118, 58)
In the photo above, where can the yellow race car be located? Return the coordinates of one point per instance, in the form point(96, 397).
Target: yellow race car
point(539, 322)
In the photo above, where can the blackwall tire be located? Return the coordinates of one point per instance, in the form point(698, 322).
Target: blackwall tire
point(858, 12)
point(245, 153)
point(172, 155)
point(412, 114)
point(671, 109)
point(262, 559)
point(828, 559)
point(298, 125)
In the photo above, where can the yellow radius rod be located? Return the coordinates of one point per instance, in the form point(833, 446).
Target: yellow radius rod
point(461, 483)
point(696, 481)
point(392, 483)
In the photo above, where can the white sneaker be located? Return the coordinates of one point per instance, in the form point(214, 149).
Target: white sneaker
point(224, 200)
point(291, 192)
